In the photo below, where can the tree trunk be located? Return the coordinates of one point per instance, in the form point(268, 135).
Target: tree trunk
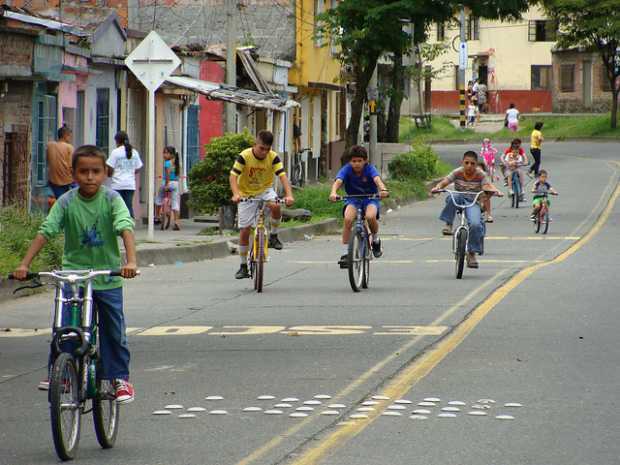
point(396, 100)
point(614, 108)
point(362, 78)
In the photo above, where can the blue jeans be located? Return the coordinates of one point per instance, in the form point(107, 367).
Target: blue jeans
point(474, 218)
point(113, 348)
point(127, 196)
point(59, 190)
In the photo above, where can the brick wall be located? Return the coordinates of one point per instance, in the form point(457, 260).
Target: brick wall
point(15, 54)
point(16, 119)
point(270, 24)
point(570, 102)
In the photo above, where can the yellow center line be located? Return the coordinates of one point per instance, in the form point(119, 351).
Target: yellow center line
point(275, 441)
point(411, 375)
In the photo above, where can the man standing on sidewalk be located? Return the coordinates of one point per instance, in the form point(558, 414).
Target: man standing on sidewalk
point(59, 153)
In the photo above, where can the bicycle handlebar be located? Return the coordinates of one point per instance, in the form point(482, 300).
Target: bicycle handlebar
point(359, 196)
point(252, 199)
point(71, 276)
point(476, 196)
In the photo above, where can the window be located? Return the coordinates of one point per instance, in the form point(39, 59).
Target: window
point(541, 77)
point(441, 32)
point(332, 42)
point(473, 28)
point(193, 137)
point(543, 30)
point(78, 132)
point(567, 78)
point(319, 8)
point(45, 132)
point(103, 119)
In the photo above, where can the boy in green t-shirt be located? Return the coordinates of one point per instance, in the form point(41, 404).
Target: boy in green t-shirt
point(92, 217)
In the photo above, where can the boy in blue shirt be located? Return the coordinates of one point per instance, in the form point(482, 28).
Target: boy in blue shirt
point(359, 178)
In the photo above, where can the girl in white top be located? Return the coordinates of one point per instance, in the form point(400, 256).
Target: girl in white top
point(123, 164)
point(512, 118)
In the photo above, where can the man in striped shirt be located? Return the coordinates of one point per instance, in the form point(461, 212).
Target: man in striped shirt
point(469, 180)
point(252, 176)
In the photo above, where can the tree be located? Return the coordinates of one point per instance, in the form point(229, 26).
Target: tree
point(593, 25)
point(366, 29)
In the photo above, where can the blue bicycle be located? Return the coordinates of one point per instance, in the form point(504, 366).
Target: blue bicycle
point(517, 190)
point(360, 246)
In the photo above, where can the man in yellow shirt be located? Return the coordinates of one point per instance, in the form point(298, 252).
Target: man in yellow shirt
point(535, 146)
point(252, 176)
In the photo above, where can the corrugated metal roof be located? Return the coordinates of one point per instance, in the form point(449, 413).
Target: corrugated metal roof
point(47, 23)
point(250, 98)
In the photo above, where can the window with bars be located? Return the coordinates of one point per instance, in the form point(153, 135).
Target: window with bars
point(441, 32)
point(567, 78)
point(45, 132)
point(473, 28)
point(103, 120)
point(541, 77)
point(545, 30)
point(319, 7)
point(193, 137)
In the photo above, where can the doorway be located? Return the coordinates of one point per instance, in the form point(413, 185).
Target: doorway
point(587, 84)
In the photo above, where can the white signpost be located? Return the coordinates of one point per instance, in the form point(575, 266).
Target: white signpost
point(152, 62)
point(463, 56)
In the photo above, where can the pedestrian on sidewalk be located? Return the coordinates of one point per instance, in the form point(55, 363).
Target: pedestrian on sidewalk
point(123, 165)
point(59, 153)
point(535, 146)
point(170, 182)
point(472, 113)
point(512, 118)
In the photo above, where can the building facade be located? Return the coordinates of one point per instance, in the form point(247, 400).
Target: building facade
point(512, 58)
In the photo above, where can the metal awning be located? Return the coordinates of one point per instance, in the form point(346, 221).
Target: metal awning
point(249, 98)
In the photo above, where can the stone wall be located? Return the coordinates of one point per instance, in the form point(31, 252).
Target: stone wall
point(269, 25)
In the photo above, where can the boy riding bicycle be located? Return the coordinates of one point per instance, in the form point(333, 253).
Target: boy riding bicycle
point(359, 178)
point(468, 179)
point(252, 176)
point(540, 188)
point(91, 217)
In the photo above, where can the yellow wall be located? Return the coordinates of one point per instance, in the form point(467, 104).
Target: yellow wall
point(312, 63)
point(514, 53)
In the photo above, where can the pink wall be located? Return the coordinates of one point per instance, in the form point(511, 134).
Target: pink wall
point(526, 101)
point(211, 111)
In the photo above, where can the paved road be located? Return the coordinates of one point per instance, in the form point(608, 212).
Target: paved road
point(546, 338)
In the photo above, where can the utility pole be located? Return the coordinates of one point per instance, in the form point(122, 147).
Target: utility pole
point(231, 61)
point(373, 94)
point(462, 67)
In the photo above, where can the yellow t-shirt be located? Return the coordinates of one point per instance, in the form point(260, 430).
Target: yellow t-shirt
point(256, 176)
point(536, 139)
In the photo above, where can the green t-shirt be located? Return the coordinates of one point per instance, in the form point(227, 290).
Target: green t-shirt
point(91, 228)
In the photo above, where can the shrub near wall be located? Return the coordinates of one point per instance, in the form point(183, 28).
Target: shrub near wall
point(420, 163)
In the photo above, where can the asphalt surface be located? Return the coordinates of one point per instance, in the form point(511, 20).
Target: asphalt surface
point(549, 344)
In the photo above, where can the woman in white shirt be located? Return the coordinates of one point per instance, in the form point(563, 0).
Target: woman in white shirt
point(512, 118)
point(123, 164)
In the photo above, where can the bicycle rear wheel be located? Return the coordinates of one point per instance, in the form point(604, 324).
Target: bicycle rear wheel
point(65, 406)
point(105, 414)
point(355, 259)
point(461, 240)
point(260, 261)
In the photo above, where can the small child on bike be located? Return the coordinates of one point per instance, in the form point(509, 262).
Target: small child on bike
point(485, 200)
point(488, 152)
point(252, 176)
point(359, 178)
point(92, 217)
point(514, 159)
point(540, 188)
point(468, 180)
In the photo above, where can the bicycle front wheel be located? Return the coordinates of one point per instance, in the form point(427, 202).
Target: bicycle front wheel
point(260, 260)
point(461, 241)
point(537, 222)
point(355, 258)
point(105, 414)
point(545, 221)
point(65, 406)
point(366, 266)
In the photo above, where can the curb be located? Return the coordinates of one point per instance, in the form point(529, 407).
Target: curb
point(220, 248)
point(502, 140)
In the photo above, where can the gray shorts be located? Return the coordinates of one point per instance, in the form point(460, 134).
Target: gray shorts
point(247, 212)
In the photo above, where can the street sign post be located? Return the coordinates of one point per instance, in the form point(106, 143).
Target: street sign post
point(152, 62)
point(463, 56)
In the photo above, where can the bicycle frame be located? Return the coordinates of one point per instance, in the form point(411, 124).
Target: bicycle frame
point(260, 224)
point(460, 210)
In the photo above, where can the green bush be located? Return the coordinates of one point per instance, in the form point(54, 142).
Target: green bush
point(420, 163)
point(208, 179)
point(17, 230)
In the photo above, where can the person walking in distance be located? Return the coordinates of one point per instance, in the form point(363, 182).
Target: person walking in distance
point(535, 146)
point(123, 164)
point(59, 153)
point(512, 118)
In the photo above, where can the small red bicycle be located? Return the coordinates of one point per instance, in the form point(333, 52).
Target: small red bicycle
point(541, 219)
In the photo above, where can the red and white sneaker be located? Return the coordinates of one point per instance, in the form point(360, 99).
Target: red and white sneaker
point(124, 392)
point(44, 385)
